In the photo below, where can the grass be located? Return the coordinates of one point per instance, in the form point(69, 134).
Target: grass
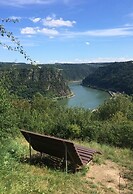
point(17, 177)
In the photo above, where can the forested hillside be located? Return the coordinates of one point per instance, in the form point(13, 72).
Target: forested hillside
point(74, 72)
point(77, 71)
point(26, 80)
point(48, 79)
point(117, 76)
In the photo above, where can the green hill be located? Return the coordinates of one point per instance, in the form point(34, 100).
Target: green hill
point(117, 76)
point(26, 80)
point(74, 72)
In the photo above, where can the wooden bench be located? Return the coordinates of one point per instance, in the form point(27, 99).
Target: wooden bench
point(60, 148)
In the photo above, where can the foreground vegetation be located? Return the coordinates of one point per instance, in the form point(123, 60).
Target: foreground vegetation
point(19, 177)
point(111, 126)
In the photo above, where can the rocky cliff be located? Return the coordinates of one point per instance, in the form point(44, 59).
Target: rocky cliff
point(28, 80)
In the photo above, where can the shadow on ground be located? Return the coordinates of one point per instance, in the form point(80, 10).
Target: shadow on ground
point(44, 160)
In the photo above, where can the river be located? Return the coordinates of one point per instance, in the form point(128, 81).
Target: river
point(85, 97)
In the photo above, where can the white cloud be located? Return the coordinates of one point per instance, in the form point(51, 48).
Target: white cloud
point(25, 2)
point(96, 60)
point(129, 25)
point(52, 32)
point(46, 31)
point(112, 32)
point(49, 32)
point(29, 30)
point(104, 59)
point(21, 3)
point(52, 22)
point(87, 43)
point(35, 20)
point(15, 17)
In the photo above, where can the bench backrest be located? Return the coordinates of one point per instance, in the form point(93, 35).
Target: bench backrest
point(52, 146)
point(57, 147)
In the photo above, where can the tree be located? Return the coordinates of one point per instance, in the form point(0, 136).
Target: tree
point(9, 35)
point(8, 122)
point(116, 107)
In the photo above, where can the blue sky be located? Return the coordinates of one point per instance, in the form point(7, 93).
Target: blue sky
point(70, 30)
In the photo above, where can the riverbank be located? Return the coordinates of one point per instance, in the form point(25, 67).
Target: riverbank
point(64, 97)
point(76, 81)
point(111, 93)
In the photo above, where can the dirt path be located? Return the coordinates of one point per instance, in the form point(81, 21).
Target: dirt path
point(109, 176)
